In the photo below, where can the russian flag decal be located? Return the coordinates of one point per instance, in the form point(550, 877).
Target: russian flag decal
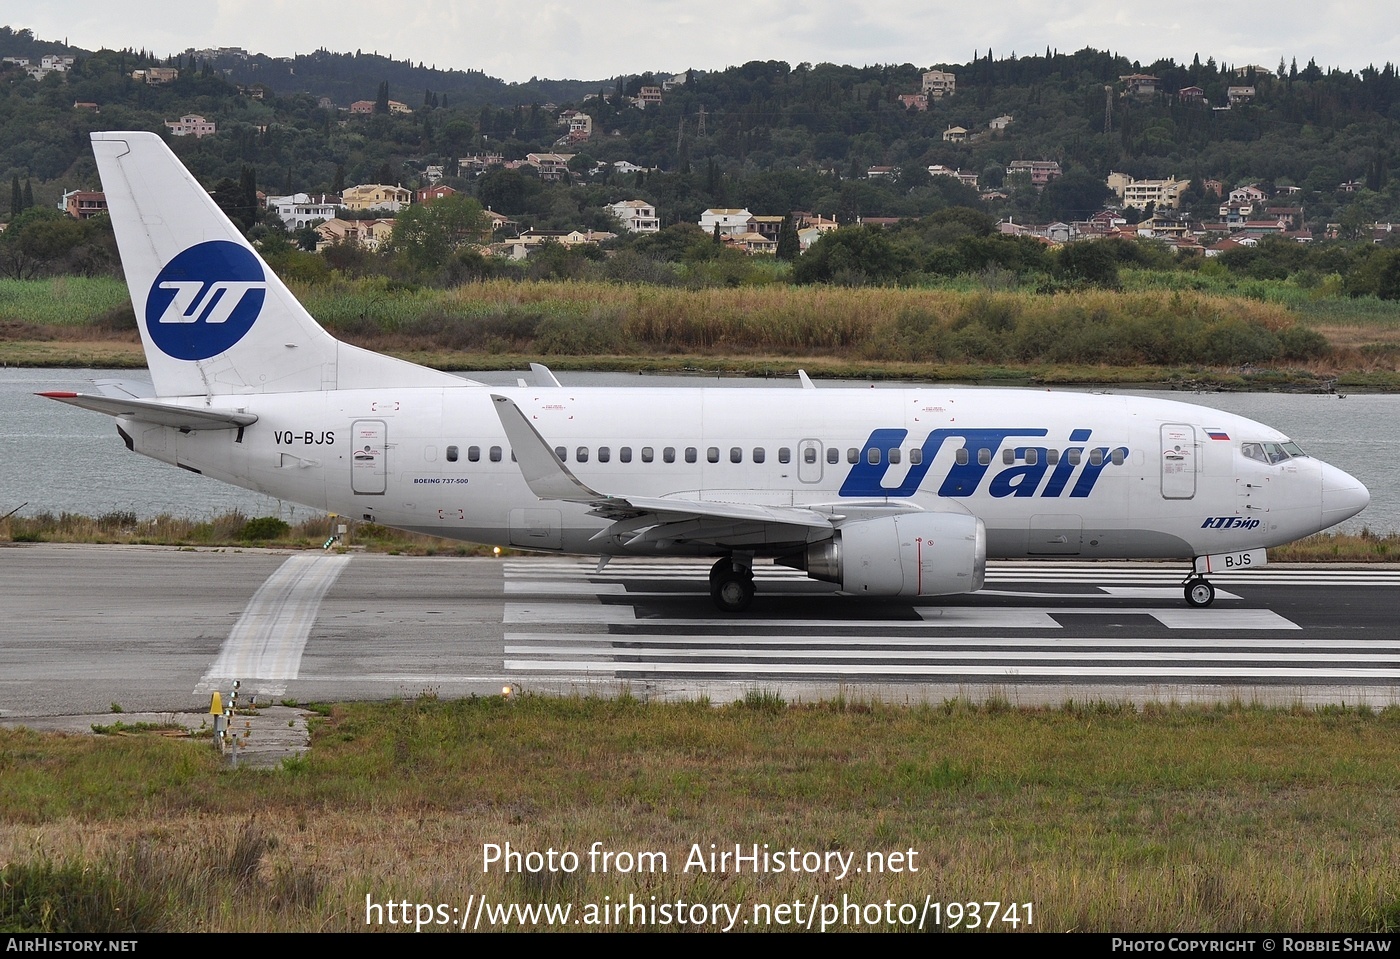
point(1218, 434)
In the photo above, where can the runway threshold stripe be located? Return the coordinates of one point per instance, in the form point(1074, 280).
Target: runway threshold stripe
point(936, 617)
point(267, 641)
point(1136, 673)
point(627, 655)
point(894, 644)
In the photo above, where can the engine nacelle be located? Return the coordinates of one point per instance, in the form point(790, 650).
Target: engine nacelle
point(909, 554)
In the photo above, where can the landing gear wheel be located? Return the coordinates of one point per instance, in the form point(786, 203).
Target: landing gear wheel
point(732, 592)
point(722, 566)
point(1199, 593)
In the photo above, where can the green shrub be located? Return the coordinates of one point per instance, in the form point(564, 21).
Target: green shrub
point(263, 528)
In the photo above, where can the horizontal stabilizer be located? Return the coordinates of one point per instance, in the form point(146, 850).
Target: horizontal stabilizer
point(156, 412)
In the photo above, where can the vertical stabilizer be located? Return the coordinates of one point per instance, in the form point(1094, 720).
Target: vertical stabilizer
point(214, 318)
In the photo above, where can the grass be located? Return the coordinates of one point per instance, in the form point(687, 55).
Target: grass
point(1106, 817)
point(226, 530)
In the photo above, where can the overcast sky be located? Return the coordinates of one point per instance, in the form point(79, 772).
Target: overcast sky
point(588, 41)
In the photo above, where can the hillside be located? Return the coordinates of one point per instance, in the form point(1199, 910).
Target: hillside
point(765, 134)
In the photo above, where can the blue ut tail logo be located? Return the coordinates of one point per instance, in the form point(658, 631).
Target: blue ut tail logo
point(1025, 471)
point(205, 300)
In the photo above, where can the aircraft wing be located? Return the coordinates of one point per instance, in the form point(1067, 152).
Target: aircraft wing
point(655, 518)
point(154, 411)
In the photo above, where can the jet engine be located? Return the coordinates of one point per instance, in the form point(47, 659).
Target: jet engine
point(908, 554)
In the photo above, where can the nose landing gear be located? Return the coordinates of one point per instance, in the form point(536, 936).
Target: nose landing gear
point(1199, 591)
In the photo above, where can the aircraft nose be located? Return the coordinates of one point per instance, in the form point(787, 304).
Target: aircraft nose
point(1343, 495)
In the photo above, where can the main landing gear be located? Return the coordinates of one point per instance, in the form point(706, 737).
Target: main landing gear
point(731, 583)
point(1199, 591)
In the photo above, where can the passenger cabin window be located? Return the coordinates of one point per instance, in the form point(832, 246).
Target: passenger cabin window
point(581, 454)
point(1096, 457)
point(736, 455)
point(1052, 457)
point(894, 455)
point(1032, 457)
point(691, 454)
point(961, 457)
point(625, 454)
point(758, 455)
point(604, 454)
point(495, 454)
point(916, 456)
point(452, 454)
point(809, 455)
point(648, 454)
point(669, 454)
point(562, 452)
point(1118, 456)
point(1008, 457)
point(784, 455)
point(852, 455)
point(984, 457)
point(1075, 455)
point(872, 456)
point(712, 454)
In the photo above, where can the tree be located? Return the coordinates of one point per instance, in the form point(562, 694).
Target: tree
point(42, 240)
point(789, 247)
point(427, 234)
point(16, 198)
point(1089, 261)
point(381, 100)
point(239, 200)
point(502, 190)
point(852, 256)
point(1075, 196)
point(1378, 276)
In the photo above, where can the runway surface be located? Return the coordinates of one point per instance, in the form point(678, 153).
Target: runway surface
point(159, 629)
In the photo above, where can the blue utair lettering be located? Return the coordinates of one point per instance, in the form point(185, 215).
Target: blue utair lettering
point(1021, 479)
point(205, 300)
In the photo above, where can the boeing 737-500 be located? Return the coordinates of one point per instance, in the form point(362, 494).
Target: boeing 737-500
point(890, 492)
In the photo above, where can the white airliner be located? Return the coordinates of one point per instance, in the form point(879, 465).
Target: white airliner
point(884, 492)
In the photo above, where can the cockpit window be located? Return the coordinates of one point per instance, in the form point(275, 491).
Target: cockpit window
point(1270, 452)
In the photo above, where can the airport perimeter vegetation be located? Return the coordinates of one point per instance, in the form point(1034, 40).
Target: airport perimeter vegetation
point(1186, 329)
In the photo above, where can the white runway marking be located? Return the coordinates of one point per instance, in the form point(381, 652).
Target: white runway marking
point(643, 632)
point(264, 649)
point(945, 617)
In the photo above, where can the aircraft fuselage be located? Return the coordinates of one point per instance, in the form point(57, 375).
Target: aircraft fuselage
point(1094, 476)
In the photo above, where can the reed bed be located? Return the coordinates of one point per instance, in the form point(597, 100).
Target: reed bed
point(64, 301)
